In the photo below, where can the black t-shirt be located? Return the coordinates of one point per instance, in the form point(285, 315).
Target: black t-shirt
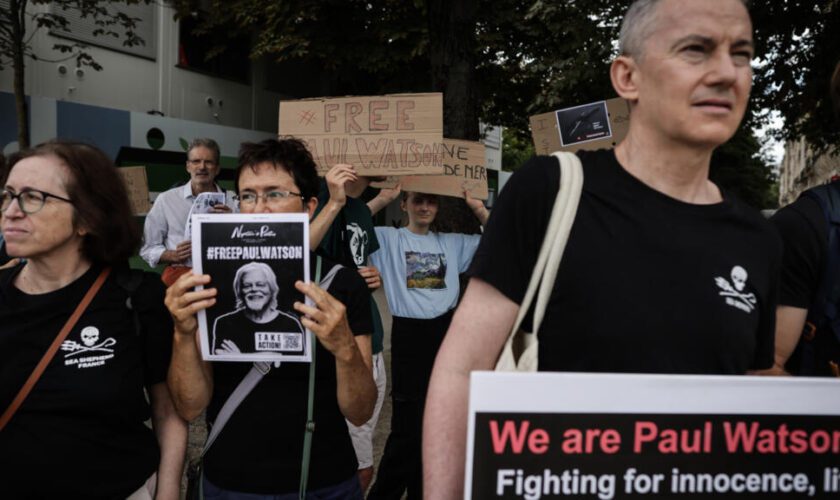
point(237, 328)
point(81, 431)
point(647, 284)
point(804, 232)
point(259, 450)
point(4, 256)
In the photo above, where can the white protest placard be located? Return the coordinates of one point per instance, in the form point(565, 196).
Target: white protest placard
point(254, 261)
point(397, 134)
point(597, 125)
point(137, 186)
point(547, 435)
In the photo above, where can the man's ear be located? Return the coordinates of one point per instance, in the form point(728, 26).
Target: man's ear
point(310, 206)
point(624, 73)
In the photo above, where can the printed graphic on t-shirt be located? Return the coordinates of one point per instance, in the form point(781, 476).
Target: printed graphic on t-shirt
point(734, 291)
point(425, 270)
point(90, 350)
point(358, 242)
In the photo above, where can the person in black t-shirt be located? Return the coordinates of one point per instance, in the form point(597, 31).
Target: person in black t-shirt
point(663, 272)
point(81, 432)
point(258, 452)
point(804, 230)
point(343, 230)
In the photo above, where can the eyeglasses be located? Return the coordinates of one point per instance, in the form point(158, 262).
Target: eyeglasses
point(271, 198)
point(198, 163)
point(30, 201)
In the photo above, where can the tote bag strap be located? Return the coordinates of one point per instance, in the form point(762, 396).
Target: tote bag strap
point(554, 243)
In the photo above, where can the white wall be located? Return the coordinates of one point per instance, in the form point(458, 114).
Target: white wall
point(137, 84)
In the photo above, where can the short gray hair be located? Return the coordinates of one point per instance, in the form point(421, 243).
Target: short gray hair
point(638, 25)
point(205, 142)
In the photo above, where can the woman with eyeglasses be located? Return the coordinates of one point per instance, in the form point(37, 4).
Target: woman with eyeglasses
point(80, 431)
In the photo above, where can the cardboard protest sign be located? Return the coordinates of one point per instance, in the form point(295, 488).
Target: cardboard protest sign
point(138, 188)
point(254, 261)
point(630, 436)
point(463, 164)
point(589, 126)
point(398, 134)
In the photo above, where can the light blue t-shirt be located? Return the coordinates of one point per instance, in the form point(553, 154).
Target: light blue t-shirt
point(420, 272)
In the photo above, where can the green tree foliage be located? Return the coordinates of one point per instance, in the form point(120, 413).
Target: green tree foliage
point(528, 57)
point(21, 19)
point(516, 149)
point(738, 168)
point(798, 42)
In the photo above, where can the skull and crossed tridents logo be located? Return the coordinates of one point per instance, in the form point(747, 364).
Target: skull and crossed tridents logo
point(90, 343)
point(734, 291)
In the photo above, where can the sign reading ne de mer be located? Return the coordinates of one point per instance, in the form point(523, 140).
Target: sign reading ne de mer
point(464, 170)
point(397, 134)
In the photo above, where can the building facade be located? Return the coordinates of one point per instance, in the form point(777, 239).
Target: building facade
point(803, 168)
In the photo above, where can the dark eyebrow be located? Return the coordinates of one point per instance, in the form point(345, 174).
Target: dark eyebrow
point(710, 42)
point(699, 39)
point(265, 190)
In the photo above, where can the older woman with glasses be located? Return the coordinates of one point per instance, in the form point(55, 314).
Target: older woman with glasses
point(83, 339)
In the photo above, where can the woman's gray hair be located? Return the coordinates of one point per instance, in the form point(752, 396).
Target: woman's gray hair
point(637, 26)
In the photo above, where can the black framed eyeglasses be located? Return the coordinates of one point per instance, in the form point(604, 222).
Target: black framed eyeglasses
point(30, 201)
point(270, 198)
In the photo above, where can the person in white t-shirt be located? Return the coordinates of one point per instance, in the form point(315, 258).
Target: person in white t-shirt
point(419, 269)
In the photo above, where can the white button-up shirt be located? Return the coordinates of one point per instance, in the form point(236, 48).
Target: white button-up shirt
point(164, 227)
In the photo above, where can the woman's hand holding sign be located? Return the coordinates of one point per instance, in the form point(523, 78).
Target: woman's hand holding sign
point(184, 302)
point(326, 317)
point(336, 178)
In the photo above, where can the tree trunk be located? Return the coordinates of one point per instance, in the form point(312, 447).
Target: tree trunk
point(452, 56)
point(18, 19)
